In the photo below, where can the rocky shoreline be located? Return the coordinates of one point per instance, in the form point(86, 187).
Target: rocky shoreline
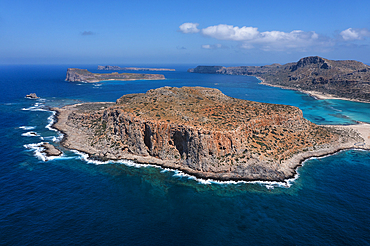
point(217, 166)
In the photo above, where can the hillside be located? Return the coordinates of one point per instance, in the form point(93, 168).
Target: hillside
point(346, 79)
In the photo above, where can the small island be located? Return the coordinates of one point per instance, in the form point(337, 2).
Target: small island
point(317, 76)
point(83, 75)
point(203, 132)
point(134, 68)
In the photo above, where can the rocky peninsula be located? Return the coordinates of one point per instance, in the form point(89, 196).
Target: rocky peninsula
point(203, 133)
point(134, 68)
point(320, 77)
point(82, 75)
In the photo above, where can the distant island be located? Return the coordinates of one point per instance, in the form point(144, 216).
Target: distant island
point(133, 68)
point(82, 75)
point(204, 133)
point(314, 75)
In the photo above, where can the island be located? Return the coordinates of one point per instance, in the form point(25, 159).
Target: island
point(134, 68)
point(203, 132)
point(82, 75)
point(317, 76)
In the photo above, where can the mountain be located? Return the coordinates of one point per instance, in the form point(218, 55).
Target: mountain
point(347, 79)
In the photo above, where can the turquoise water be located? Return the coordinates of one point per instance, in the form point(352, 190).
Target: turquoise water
point(69, 200)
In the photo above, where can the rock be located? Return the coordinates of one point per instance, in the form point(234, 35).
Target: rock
point(32, 96)
point(50, 150)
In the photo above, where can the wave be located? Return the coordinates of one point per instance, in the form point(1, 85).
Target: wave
point(30, 134)
point(180, 174)
point(39, 152)
point(36, 107)
point(27, 127)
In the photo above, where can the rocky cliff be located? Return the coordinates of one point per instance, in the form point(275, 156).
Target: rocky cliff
point(202, 132)
point(346, 79)
point(82, 75)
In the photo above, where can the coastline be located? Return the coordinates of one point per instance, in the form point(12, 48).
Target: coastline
point(74, 139)
point(97, 81)
point(314, 94)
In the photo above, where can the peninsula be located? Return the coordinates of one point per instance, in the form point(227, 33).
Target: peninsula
point(202, 132)
point(314, 75)
point(134, 68)
point(82, 75)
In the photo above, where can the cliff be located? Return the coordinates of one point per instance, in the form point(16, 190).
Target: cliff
point(345, 79)
point(133, 68)
point(201, 132)
point(82, 75)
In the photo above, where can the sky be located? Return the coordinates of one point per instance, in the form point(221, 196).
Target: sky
point(233, 32)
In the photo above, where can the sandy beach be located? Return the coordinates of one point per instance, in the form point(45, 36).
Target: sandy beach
point(314, 94)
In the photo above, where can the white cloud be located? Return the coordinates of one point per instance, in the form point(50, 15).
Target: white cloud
point(228, 32)
point(189, 27)
point(250, 37)
point(214, 46)
point(351, 34)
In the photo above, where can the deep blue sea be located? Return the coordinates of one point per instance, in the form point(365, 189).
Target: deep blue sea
point(72, 201)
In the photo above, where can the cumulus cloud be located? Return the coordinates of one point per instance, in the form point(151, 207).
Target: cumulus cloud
point(251, 37)
point(228, 32)
point(214, 46)
point(189, 27)
point(87, 33)
point(351, 34)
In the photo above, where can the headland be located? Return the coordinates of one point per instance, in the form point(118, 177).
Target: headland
point(317, 76)
point(82, 75)
point(203, 132)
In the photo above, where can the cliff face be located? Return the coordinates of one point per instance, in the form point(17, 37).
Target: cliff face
point(347, 79)
point(82, 75)
point(200, 131)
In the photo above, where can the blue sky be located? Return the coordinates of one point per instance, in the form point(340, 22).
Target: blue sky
point(182, 32)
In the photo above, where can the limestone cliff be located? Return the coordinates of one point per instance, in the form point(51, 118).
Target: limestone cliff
point(82, 75)
point(202, 132)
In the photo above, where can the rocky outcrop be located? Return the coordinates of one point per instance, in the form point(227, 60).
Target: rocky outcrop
point(50, 150)
point(345, 79)
point(32, 96)
point(133, 68)
point(206, 69)
point(202, 132)
point(82, 75)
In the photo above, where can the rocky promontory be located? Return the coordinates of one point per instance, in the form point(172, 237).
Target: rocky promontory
point(133, 68)
point(201, 132)
point(82, 75)
point(345, 78)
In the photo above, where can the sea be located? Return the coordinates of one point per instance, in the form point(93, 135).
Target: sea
point(71, 200)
